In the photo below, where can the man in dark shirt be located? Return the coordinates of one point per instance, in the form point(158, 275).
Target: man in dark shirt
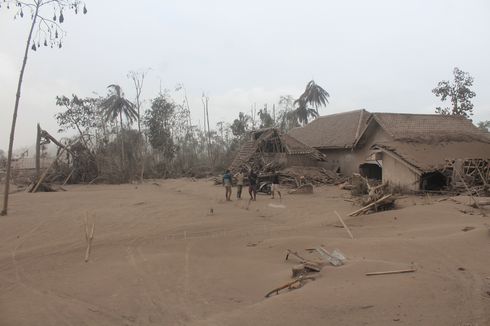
point(252, 185)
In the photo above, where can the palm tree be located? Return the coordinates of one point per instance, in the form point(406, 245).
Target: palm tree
point(315, 96)
point(116, 106)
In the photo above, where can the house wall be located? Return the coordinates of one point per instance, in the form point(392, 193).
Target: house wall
point(348, 160)
point(398, 174)
point(343, 159)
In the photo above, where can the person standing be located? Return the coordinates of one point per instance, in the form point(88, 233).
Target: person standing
point(239, 184)
point(227, 178)
point(275, 184)
point(252, 185)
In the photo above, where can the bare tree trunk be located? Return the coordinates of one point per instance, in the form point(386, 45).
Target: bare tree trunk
point(38, 152)
point(14, 117)
point(122, 139)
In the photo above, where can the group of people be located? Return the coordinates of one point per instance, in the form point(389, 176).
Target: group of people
point(252, 184)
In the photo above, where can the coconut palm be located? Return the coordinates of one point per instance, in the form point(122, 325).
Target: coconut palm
point(308, 103)
point(116, 106)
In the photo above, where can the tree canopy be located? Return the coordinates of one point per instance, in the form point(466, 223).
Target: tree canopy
point(308, 103)
point(458, 93)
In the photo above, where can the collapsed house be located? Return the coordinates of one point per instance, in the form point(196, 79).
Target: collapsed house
point(412, 151)
point(271, 149)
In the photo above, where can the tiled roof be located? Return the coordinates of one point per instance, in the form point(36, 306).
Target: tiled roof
point(429, 127)
point(339, 130)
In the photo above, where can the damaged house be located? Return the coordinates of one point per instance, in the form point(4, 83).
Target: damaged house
point(413, 151)
point(272, 148)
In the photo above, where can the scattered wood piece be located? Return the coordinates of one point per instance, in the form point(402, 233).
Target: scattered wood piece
point(89, 236)
point(312, 267)
point(367, 207)
point(299, 281)
point(303, 189)
point(344, 225)
point(392, 272)
point(298, 270)
point(295, 254)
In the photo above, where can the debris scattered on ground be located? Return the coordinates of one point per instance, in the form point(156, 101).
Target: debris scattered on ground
point(296, 284)
point(336, 258)
point(384, 203)
point(303, 189)
point(372, 198)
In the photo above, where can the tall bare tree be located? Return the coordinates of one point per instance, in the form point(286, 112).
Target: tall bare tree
point(47, 31)
point(138, 79)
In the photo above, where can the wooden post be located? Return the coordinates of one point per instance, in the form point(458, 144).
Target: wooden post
point(38, 152)
point(345, 226)
point(89, 236)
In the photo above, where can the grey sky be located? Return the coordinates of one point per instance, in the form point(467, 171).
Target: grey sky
point(379, 55)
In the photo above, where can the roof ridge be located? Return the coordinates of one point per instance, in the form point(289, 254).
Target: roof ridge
point(422, 114)
point(341, 113)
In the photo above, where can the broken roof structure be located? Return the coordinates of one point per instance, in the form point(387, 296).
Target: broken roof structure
point(396, 147)
point(271, 145)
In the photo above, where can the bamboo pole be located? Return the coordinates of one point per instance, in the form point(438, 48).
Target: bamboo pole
point(345, 225)
point(89, 236)
point(392, 272)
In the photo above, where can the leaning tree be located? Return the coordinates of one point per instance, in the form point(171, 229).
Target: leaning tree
point(45, 30)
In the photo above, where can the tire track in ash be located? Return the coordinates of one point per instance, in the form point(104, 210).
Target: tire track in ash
point(147, 290)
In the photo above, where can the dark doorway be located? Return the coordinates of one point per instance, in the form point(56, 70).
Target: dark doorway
point(371, 171)
point(433, 181)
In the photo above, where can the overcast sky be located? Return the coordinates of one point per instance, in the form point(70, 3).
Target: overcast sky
point(378, 55)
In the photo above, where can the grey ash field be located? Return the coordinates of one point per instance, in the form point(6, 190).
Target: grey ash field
point(159, 257)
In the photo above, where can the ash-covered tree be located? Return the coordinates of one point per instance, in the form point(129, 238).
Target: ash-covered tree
point(266, 120)
point(458, 93)
point(79, 114)
point(115, 106)
point(159, 121)
point(484, 125)
point(45, 31)
point(241, 125)
point(286, 116)
point(308, 103)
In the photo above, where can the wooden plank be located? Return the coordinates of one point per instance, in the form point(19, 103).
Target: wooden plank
point(392, 272)
point(345, 225)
